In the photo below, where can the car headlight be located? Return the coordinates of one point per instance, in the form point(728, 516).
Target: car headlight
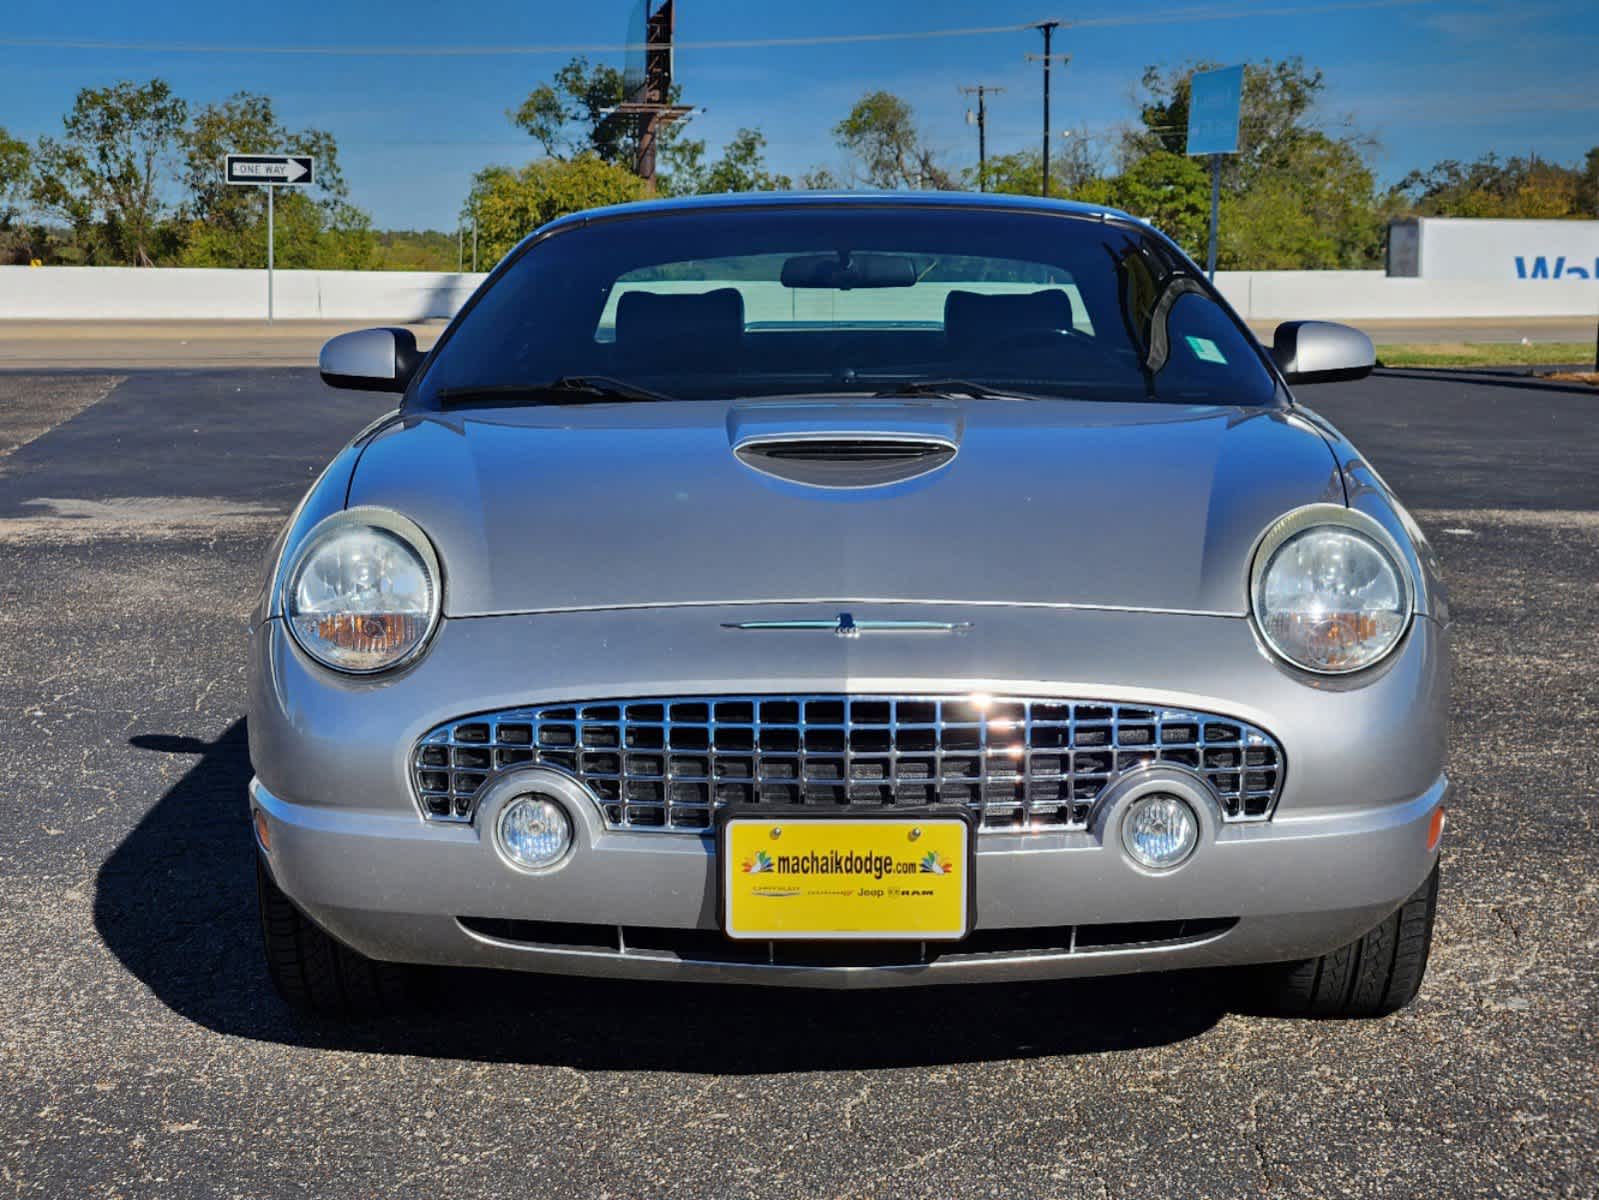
point(363, 592)
point(1329, 591)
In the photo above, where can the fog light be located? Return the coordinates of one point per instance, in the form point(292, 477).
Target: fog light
point(533, 832)
point(1159, 831)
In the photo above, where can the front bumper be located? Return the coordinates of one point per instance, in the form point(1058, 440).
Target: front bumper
point(1347, 845)
point(395, 889)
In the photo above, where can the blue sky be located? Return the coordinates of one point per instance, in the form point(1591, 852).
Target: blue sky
point(1429, 79)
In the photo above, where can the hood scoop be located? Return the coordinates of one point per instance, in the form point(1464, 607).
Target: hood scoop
point(845, 444)
point(846, 462)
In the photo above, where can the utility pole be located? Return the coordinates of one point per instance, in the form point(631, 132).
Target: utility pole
point(1048, 29)
point(983, 91)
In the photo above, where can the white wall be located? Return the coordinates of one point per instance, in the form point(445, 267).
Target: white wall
point(130, 293)
point(1509, 251)
point(164, 293)
point(1372, 295)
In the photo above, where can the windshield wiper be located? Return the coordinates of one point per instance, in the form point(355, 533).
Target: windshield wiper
point(949, 387)
point(568, 389)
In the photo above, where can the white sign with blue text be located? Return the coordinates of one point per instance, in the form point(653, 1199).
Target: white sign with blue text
point(1465, 248)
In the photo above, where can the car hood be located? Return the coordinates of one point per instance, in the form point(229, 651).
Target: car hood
point(1143, 506)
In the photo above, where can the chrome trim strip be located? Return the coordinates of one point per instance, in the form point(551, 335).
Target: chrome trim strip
point(857, 601)
point(846, 432)
point(845, 625)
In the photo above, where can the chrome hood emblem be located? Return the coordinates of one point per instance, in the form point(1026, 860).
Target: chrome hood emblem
point(846, 626)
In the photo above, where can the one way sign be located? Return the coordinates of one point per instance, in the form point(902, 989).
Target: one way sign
point(297, 169)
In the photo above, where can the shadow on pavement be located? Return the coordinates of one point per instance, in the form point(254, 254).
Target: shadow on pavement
point(176, 903)
point(1504, 379)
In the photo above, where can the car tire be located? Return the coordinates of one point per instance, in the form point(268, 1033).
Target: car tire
point(314, 972)
point(1374, 975)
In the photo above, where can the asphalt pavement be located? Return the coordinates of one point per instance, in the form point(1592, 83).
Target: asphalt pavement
point(142, 1052)
point(117, 345)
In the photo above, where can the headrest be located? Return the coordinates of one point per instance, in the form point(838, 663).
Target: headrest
point(975, 317)
point(686, 322)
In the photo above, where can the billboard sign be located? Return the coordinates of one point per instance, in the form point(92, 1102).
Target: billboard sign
point(1214, 98)
point(1467, 248)
point(633, 72)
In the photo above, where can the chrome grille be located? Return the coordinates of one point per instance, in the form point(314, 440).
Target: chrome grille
point(668, 763)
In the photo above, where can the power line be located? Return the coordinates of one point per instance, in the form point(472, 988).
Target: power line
point(1179, 15)
point(484, 51)
point(1168, 16)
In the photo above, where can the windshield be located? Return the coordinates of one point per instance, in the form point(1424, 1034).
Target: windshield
point(717, 303)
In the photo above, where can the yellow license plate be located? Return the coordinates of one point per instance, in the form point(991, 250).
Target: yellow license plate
point(854, 878)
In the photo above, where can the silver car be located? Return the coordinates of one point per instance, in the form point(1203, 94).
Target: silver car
point(850, 591)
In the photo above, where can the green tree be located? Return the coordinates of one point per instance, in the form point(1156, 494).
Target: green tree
point(1021, 173)
point(742, 167)
point(316, 227)
point(415, 250)
point(880, 131)
point(1273, 116)
point(1293, 197)
point(1267, 229)
point(1511, 187)
point(16, 246)
point(566, 116)
point(1171, 192)
point(104, 175)
point(1588, 185)
point(1318, 211)
point(14, 163)
point(682, 167)
point(510, 204)
point(247, 123)
point(820, 179)
point(305, 238)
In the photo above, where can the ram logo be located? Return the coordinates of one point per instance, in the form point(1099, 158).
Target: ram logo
point(1541, 268)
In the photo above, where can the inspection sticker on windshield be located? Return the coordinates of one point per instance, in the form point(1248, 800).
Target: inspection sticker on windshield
point(809, 877)
point(1206, 350)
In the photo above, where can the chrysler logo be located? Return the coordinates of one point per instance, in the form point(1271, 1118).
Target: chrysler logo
point(846, 626)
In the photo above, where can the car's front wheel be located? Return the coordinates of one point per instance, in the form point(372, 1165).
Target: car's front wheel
point(1374, 975)
point(316, 973)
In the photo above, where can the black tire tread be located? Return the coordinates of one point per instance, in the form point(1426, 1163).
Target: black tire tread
point(1414, 945)
point(312, 971)
point(1376, 974)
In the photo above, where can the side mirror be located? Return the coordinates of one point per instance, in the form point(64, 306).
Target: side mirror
point(370, 360)
point(1321, 352)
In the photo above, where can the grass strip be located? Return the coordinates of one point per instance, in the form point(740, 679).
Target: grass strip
point(1485, 354)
